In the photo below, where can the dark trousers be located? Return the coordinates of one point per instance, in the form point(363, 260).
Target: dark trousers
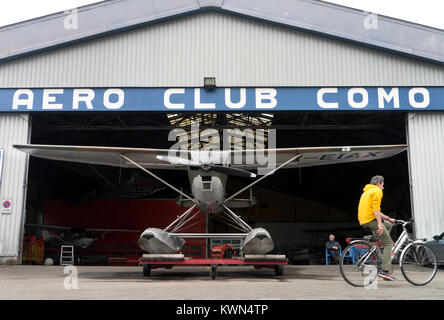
point(334, 254)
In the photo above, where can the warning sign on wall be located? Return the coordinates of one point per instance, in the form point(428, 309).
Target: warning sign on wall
point(6, 206)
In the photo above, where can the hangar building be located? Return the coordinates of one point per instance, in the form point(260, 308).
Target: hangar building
point(127, 72)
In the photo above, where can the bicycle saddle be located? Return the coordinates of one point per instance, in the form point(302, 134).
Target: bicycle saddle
point(372, 238)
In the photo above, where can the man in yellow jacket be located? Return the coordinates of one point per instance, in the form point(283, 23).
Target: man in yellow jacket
point(370, 216)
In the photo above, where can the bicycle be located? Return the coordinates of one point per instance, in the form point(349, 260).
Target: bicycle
point(417, 261)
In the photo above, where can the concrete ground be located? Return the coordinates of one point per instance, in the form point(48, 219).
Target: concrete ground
point(194, 283)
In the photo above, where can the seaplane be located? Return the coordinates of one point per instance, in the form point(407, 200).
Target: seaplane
point(208, 172)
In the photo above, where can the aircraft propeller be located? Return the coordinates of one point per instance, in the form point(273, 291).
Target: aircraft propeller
point(207, 166)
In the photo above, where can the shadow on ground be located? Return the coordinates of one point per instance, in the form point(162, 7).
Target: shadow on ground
point(223, 273)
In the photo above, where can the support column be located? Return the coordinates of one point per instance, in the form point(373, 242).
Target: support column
point(14, 129)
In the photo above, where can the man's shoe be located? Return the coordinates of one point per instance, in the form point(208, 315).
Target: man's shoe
point(386, 275)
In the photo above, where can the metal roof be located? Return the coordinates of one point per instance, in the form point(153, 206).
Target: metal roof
point(314, 16)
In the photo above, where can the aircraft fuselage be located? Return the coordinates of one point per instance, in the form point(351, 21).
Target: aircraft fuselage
point(208, 188)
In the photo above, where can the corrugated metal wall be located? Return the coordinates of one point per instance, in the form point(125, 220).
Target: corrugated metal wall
point(237, 51)
point(14, 129)
point(426, 162)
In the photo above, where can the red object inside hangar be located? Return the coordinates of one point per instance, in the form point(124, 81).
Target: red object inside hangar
point(121, 247)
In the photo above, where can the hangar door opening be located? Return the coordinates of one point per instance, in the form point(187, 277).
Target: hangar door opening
point(105, 208)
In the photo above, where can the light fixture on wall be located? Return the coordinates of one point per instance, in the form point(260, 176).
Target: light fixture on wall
point(209, 83)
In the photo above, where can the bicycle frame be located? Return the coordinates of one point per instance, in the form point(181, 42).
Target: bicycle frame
point(399, 244)
point(397, 247)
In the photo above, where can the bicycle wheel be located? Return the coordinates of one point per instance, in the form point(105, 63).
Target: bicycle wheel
point(359, 264)
point(418, 264)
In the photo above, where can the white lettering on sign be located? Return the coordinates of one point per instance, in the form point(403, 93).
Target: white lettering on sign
point(236, 105)
point(166, 98)
point(200, 105)
point(331, 98)
point(425, 97)
point(321, 101)
point(267, 94)
point(382, 95)
point(48, 99)
point(351, 98)
point(82, 95)
point(387, 97)
point(113, 92)
point(28, 101)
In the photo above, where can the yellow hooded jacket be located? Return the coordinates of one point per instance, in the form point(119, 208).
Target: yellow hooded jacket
point(369, 203)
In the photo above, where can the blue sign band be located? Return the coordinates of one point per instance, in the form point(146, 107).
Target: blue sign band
point(223, 99)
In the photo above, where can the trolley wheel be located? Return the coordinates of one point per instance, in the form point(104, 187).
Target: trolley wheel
point(213, 272)
point(146, 270)
point(279, 270)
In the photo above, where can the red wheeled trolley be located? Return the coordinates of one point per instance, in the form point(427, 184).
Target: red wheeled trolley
point(156, 261)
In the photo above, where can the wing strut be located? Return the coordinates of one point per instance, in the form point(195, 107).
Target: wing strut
point(227, 222)
point(158, 178)
point(180, 226)
point(236, 219)
point(180, 220)
point(261, 178)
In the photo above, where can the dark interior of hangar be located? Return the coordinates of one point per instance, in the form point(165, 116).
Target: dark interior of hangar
point(300, 207)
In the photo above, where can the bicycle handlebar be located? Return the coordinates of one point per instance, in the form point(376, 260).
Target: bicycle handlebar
point(404, 222)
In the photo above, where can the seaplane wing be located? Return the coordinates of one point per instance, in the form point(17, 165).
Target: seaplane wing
point(241, 159)
point(110, 156)
point(312, 156)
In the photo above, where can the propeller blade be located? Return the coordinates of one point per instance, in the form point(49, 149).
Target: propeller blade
point(180, 161)
point(233, 171)
point(227, 170)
